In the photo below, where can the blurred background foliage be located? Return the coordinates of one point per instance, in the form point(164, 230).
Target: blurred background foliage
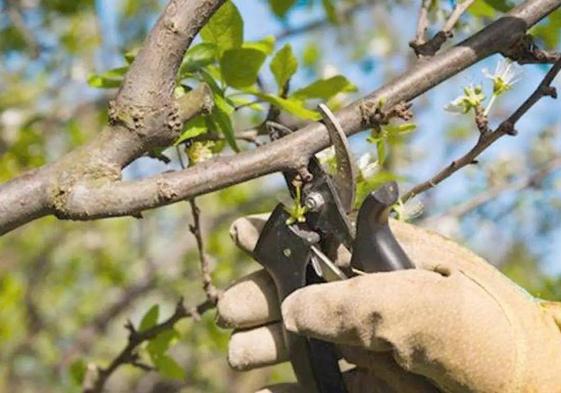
point(67, 288)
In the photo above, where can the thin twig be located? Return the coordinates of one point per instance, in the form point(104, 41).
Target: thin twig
point(320, 23)
point(129, 354)
point(532, 179)
point(101, 321)
point(14, 13)
point(457, 12)
point(429, 48)
point(210, 290)
point(422, 23)
point(487, 139)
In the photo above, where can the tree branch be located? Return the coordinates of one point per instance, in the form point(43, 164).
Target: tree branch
point(151, 78)
point(430, 47)
point(129, 356)
point(346, 12)
point(422, 24)
point(14, 13)
point(529, 180)
point(89, 196)
point(210, 290)
point(144, 116)
point(486, 139)
point(527, 52)
point(100, 322)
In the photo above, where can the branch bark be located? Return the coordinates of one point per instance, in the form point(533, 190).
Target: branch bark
point(428, 48)
point(90, 198)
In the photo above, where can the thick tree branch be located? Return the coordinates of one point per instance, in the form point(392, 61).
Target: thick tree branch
point(527, 52)
point(155, 119)
point(486, 139)
point(109, 197)
point(151, 78)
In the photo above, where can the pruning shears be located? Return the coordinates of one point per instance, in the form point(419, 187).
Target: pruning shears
point(297, 254)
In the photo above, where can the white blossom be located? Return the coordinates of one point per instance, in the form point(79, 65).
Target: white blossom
point(505, 76)
point(367, 166)
point(473, 96)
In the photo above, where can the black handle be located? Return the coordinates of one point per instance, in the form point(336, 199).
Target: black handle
point(284, 251)
point(375, 248)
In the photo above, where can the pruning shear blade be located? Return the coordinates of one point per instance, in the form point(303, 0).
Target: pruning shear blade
point(345, 177)
point(325, 267)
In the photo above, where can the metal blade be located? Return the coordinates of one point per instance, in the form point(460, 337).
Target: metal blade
point(345, 178)
point(331, 271)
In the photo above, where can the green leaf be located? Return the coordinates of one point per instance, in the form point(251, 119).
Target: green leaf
point(158, 346)
point(481, 9)
point(549, 31)
point(403, 128)
point(169, 368)
point(325, 88)
point(243, 101)
point(150, 318)
point(191, 129)
point(311, 54)
point(109, 79)
point(284, 66)
point(266, 45)
point(366, 186)
point(225, 28)
point(198, 56)
point(78, 371)
point(220, 117)
point(381, 150)
point(281, 7)
point(131, 55)
point(330, 10)
point(210, 80)
point(239, 67)
point(500, 5)
point(291, 105)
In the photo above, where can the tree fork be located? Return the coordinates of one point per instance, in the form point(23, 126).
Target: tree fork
point(91, 200)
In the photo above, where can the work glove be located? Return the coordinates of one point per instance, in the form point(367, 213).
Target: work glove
point(453, 324)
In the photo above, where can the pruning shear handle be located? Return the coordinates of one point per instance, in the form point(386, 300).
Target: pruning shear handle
point(285, 252)
point(293, 254)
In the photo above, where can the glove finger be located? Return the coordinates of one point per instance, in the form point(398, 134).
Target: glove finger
point(282, 388)
point(263, 346)
point(368, 311)
point(245, 231)
point(249, 302)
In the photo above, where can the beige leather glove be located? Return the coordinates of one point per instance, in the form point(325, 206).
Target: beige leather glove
point(454, 324)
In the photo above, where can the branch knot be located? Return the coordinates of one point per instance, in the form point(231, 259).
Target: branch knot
point(526, 51)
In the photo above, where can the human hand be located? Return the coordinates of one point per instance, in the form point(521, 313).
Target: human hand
point(454, 322)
